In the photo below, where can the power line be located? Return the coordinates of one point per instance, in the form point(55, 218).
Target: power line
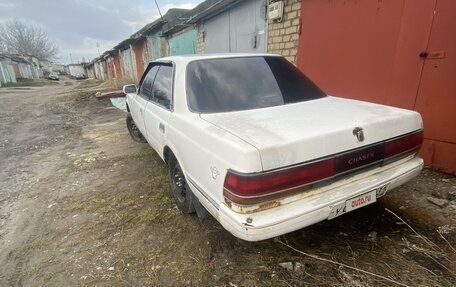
point(159, 12)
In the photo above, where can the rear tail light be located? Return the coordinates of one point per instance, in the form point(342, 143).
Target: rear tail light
point(253, 188)
point(403, 144)
point(258, 187)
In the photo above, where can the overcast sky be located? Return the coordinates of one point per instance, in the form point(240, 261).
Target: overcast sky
point(76, 26)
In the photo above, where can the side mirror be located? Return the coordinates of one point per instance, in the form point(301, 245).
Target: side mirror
point(129, 89)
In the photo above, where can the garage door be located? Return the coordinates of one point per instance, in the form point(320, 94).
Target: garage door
point(399, 53)
point(240, 29)
point(183, 44)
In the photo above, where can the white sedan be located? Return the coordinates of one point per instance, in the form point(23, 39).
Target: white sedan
point(257, 144)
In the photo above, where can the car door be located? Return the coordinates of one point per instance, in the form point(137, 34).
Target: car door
point(139, 102)
point(159, 107)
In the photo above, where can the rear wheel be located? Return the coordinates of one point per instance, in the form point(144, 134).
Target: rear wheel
point(135, 134)
point(181, 192)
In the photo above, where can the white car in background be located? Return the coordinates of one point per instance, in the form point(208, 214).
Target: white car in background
point(262, 148)
point(54, 76)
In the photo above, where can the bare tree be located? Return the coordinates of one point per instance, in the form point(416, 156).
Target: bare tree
point(20, 38)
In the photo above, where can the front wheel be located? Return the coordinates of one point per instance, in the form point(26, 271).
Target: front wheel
point(181, 192)
point(135, 134)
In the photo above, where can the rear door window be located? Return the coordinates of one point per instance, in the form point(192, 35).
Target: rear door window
point(163, 87)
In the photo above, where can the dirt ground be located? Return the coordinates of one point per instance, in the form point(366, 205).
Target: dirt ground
point(81, 204)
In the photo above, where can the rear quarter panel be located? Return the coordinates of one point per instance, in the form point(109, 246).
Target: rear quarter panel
point(206, 152)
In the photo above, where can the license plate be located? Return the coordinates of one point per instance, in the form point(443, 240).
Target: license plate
point(357, 202)
point(361, 200)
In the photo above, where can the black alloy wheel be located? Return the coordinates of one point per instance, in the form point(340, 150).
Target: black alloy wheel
point(135, 133)
point(181, 192)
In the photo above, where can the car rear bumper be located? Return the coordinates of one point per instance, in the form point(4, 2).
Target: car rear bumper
point(290, 216)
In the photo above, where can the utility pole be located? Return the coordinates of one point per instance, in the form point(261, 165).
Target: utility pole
point(98, 47)
point(71, 58)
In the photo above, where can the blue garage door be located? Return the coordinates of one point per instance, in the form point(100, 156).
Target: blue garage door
point(184, 43)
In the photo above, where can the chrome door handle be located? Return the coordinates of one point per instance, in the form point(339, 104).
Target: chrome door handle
point(161, 127)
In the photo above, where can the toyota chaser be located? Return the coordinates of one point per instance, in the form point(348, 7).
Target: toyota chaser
point(264, 150)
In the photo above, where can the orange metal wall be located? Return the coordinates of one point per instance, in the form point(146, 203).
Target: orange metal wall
point(369, 50)
point(139, 48)
point(117, 66)
point(17, 71)
point(111, 69)
point(113, 65)
point(436, 99)
point(105, 70)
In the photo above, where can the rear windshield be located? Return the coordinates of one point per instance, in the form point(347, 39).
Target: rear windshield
point(236, 84)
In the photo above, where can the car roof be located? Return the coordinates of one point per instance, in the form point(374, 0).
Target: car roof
point(185, 59)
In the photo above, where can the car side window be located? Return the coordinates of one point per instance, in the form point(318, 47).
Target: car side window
point(145, 89)
point(163, 87)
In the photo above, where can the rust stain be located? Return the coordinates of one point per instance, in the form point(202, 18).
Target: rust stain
point(307, 194)
point(261, 207)
point(228, 203)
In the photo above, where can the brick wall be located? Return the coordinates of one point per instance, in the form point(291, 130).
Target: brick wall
point(200, 39)
point(283, 36)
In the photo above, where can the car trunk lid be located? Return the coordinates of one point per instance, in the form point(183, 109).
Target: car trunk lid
point(296, 133)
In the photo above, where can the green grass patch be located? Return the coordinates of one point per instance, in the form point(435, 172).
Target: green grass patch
point(149, 215)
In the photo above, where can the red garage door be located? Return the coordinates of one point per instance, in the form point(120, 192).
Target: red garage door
point(17, 71)
point(400, 53)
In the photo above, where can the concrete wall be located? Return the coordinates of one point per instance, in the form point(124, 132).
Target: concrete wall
point(90, 72)
point(76, 69)
point(100, 70)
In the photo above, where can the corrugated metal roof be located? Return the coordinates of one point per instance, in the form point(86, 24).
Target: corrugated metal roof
point(209, 9)
point(175, 20)
point(171, 15)
point(204, 11)
point(123, 44)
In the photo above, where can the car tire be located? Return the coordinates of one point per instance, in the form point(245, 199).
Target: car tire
point(135, 134)
point(183, 196)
